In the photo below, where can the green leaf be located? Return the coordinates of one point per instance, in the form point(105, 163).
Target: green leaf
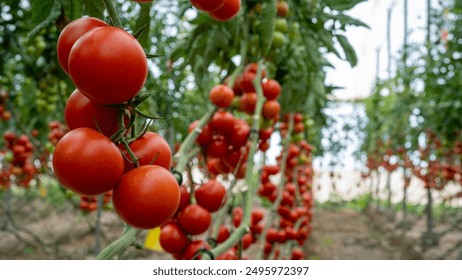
point(327, 39)
point(150, 55)
point(267, 26)
point(94, 8)
point(73, 9)
point(143, 25)
point(347, 20)
point(342, 5)
point(44, 13)
point(350, 54)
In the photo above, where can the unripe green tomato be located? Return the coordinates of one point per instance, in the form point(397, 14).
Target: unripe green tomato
point(281, 25)
point(236, 103)
point(51, 107)
point(41, 103)
point(279, 40)
point(309, 123)
point(8, 156)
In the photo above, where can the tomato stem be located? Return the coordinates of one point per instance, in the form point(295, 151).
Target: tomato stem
point(113, 16)
point(181, 157)
point(117, 247)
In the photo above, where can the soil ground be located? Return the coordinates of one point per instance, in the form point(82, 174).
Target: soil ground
point(43, 232)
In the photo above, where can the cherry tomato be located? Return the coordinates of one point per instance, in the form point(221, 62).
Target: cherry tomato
point(249, 102)
point(193, 249)
point(221, 96)
point(223, 123)
point(173, 239)
point(108, 65)
point(228, 11)
point(210, 195)
point(151, 148)
point(223, 234)
point(87, 162)
point(194, 219)
point(217, 148)
point(82, 112)
point(73, 31)
point(271, 109)
point(271, 89)
point(208, 5)
point(146, 197)
point(205, 136)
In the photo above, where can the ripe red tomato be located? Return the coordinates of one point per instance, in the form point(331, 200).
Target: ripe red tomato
point(237, 216)
point(246, 240)
point(272, 235)
point(194, 219)
point(108, 65)
point(173, 239)
point(221, 96)
point(193, 248)
point(151, 148)
point(297, 254)
point(228, 11)
point(73, 31)
point(241, 133)
point(82, 112)
point(87, 162)
point(249, 102)
point(253, 68)
point(210, 195)
point(205, 136)
point(185, 198)
point(271, 109)
point(146, 197)
point(271, 89)
point(257, 216)
point(217, 148)
point(223, 123)
point(247, 81)
point(208, 5)
point(228, 255)
point(223, 234)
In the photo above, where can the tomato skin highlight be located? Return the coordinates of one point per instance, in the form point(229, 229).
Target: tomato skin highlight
point(108, 65)
point(87, 162)
point(146, 197)
point(82, 112)
point(70, 34)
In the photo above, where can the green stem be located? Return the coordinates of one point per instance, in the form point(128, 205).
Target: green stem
point(113, 16)
point(249, 192)
point(117, 247)
point(180, 157)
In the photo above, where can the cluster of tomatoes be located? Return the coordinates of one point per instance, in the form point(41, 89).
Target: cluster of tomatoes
point(192, 219)
point(90, 203)
point(18, 161)
point(5, 115)
point(109, 67)
point(57, 131)
point(224, 141)
point(221, 10)
point(296, 198)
